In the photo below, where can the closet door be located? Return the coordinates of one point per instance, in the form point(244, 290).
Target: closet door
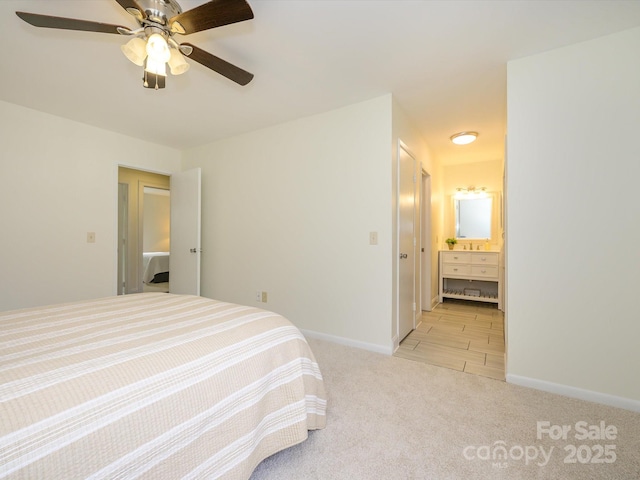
point(186, 248)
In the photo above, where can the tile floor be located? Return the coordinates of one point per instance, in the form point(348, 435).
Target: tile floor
point(466, 336)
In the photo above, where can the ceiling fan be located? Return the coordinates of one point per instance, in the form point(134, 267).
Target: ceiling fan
point(153, 45)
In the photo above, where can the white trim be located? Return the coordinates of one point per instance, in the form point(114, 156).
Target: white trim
point(425, 248)
point(372, 347)
point(435, 301)
point(574, 392)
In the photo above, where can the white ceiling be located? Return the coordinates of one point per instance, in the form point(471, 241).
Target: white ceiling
point(444, 61)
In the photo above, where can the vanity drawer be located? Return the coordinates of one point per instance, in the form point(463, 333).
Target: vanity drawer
point(484, 271)
point(456, 257)
point(455, 269)
point(484, 259)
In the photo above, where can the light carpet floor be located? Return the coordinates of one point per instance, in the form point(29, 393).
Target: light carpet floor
point(391, 418)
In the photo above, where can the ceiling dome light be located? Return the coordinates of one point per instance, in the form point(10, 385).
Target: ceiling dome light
point(464, 138)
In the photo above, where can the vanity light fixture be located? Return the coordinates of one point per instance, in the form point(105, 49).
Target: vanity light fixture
point(464, 138)
point(471, 191)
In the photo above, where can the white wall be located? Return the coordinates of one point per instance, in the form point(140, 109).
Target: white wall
point(59, 181)
point(573, 233)
point(156, 227)
point(288, 210)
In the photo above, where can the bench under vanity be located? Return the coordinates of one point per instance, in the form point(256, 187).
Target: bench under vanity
point(471, 275)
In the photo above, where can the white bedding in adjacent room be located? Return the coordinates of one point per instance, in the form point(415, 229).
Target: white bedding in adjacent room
point(154, 263)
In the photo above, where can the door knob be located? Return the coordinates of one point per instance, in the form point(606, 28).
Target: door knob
point(403, 255)
point(193, 250)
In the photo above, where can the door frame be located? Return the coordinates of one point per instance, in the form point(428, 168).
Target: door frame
point(425, 244)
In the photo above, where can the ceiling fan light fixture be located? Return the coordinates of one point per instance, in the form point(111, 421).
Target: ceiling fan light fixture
point(177, 63)
point(158, 48)
point(155, 67)
point(464, 138)
point(150, 44)
point(135, 50)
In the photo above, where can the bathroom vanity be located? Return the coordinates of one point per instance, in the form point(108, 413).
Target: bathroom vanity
point(471, 275)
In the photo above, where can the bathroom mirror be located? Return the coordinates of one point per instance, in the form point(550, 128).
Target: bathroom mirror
point(473, 217)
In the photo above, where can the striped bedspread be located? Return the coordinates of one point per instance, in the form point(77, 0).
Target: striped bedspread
point(151, 385)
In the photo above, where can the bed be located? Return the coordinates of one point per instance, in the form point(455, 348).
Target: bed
point(152, 385)
point(155, 268)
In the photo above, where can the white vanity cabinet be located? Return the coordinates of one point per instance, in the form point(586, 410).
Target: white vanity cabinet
point(471, 275)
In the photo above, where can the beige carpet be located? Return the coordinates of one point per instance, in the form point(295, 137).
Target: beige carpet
point(391, 418)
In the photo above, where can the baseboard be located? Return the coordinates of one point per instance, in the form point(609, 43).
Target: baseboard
point(348, 342)
point(574, 392)
point(434, 302)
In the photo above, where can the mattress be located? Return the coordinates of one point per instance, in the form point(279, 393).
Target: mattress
point(152, 385)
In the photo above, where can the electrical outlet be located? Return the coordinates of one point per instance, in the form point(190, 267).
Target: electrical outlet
point(264, 297)
point(373, 238)
point(258, 296)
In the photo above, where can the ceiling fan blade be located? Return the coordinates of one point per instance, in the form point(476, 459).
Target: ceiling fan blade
point(212, 14)
point(47, 21)
point(133, 8)
point(224, 68)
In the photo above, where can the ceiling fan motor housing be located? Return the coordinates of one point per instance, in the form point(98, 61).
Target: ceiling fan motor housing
point(160, 11)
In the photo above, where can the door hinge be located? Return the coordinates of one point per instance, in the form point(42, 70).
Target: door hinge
point(414, 307)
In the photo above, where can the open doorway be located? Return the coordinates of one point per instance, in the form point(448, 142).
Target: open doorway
point(143, 231)
point(156, 228)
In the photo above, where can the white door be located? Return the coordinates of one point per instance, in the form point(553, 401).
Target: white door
point(184, 261)
point(406, 242)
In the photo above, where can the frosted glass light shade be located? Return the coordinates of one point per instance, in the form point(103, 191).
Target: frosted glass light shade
point(157, 48)
point(135, 50)
point(177, 63)
point(153, 66)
